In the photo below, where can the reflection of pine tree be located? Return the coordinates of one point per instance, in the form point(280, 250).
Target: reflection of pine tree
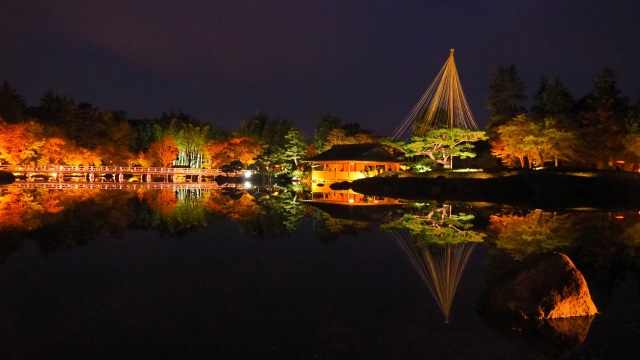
point(328, 229)
point(438, 245)
point(282, 213)
point(440, 266)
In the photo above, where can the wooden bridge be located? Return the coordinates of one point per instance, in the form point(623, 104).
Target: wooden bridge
point(122, 186)
point(90, 173)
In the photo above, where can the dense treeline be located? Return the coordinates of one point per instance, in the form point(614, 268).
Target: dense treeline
point(61, 131)
point(600, 129)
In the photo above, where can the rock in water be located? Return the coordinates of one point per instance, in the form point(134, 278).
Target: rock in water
point(546, 286)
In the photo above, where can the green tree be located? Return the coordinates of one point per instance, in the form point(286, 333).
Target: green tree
point(506, 97)
point(510, 144)
point(523, 138)
point(441, 145)
point(191, 139)
point(296, 146)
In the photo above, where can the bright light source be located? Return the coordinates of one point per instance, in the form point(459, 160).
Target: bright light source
point(247, 174)
point(247, 185)
point(350, 200)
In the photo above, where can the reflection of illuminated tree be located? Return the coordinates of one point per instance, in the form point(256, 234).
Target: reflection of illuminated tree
point(18, 210)
point(631, 237)
point(177, 210)
point(328, 229)
point(537, 231)
point(438, 246)
point(98, 213)
point(189, 212)
point(162, 201)
point(282, 213)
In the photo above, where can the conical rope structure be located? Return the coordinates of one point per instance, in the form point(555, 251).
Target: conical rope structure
point(443, 105)
point(439, 266)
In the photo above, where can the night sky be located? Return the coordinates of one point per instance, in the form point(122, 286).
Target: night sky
point(364, 61)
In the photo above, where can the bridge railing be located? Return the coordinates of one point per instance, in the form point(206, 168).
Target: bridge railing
point(108, 169)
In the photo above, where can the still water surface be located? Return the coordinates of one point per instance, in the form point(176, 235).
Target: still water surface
point(122, 274)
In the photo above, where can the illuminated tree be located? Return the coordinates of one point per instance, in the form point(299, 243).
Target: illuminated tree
point(510, 142)
point(76, 156)
point(20, 143)
point(164, 151)
point(341, 137)
point(191, 139)
point(212, 153)
point(244, 149)
point(296, 146)
point(51, 151)
point(441, 145)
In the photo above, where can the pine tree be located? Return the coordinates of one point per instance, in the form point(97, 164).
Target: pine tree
point(506, 97)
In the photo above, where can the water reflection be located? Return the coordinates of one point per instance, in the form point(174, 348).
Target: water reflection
point(438, 245)
point(439, 240)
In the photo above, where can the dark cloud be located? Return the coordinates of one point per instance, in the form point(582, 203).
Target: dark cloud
point(365, 61)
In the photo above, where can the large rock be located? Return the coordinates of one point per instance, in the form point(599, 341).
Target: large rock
point(544, 286)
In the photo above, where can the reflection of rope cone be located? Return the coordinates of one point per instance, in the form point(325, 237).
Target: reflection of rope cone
point(440, 267)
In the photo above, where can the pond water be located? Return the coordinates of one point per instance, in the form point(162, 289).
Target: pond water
point(220, 273)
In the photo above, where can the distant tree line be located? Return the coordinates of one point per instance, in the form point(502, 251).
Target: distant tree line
point(62, 131)
point(600, 130)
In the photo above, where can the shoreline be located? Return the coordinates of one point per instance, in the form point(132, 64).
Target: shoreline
point(538, 189)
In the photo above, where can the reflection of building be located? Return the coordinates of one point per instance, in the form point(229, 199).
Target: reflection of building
point(348, 163)
point(326, 194)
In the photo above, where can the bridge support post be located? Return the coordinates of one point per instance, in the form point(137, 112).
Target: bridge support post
point(148, 178)
point(199, 178)
point(121, 177)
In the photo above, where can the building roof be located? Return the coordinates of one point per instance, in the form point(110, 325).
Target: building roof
point(355, 152)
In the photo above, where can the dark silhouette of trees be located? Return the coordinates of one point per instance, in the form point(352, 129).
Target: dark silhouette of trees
point(602, 114)
point(552, 100)
point(506, 97)
point(12, 105)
